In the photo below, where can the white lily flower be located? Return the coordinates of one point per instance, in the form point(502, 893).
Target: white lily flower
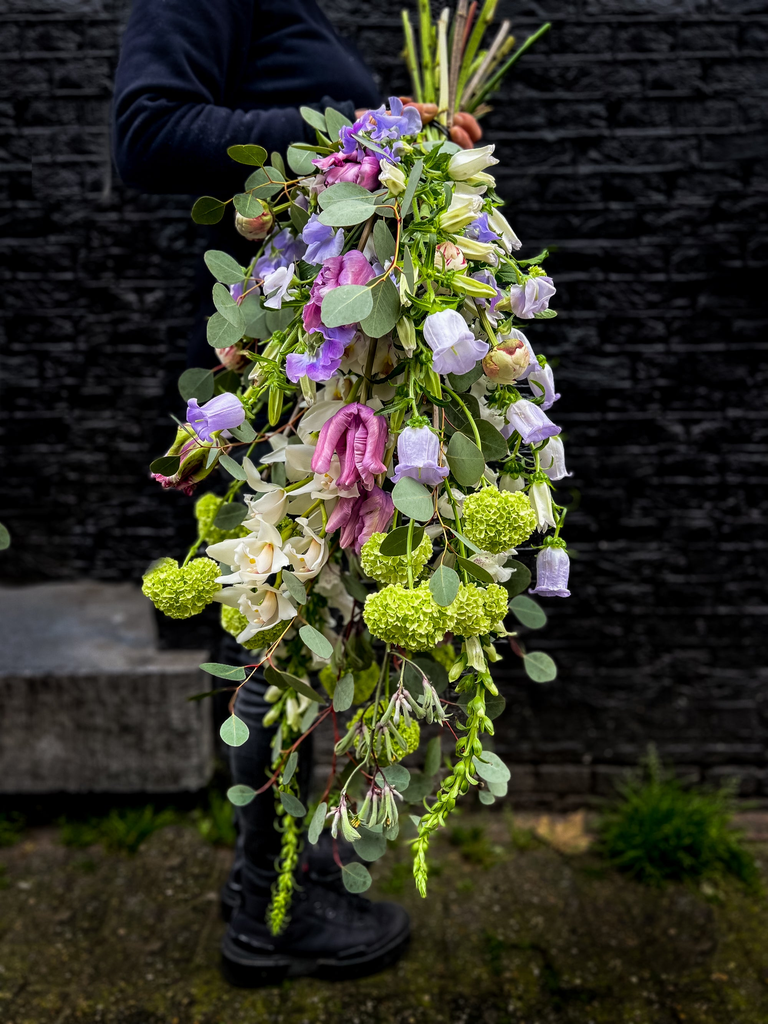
point(468, 162)
point(253, 558)
point(270, 507)
point(307, 554)
point(263, 607)
point(540, 497)
point(498, 222)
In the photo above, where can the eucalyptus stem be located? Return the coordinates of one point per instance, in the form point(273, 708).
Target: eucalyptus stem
point(469, 416)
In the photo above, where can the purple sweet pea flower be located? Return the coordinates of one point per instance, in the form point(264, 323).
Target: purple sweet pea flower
point(351, 268)
point(456, 349)
point(319, 367)
point(552, 570)
point(480, 231)
point(359, 437)
point(359, 518)
point(530, 421)
point(542, 375)
point(383, 125)
point(418, 455)
point(289, 246)
point(221, 413)
point(322, 243)
point(532, 297)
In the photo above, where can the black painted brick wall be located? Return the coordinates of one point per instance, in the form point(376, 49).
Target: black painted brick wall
point(631, 139)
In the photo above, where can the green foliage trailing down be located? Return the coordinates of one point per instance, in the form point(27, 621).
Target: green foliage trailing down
point(121, 831)
point(661, 831)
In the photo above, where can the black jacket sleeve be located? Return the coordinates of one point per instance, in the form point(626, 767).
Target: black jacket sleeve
point(172, 126)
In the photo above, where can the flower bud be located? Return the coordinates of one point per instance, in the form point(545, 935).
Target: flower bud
point(505, 364)
point(392, 177)
point(275, 406)
point(471, 286)
point(232, 357)
point(255, 228)
point(406, 332)
point(449, 256)
point(474, 250)
point(462, 211)
point(193, 455)
point(469, 162)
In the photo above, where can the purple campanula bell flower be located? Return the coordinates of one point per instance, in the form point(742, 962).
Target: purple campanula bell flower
point(552, 459)
point(456, 349)
point(542, 382)
point(221, 413)
point(552, 569)
point(321, 241)
point(480, 231)
point(530, 421)
point(418, 455)
point(532, 297)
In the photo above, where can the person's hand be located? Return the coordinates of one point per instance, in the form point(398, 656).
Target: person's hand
point(466, 132)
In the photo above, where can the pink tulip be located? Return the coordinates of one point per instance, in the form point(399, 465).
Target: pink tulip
point(359, 518)
point(348, 167)
point(359, 438)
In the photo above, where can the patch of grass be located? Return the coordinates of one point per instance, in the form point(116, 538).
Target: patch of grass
point(473, 845)
point(216, 822)
point(121, 831)
point(11, 827)
point(658, 830)
point(394, 883)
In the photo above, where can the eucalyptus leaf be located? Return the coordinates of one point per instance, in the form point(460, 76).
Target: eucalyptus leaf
point(221, 332)
point(341, 191)
point(250, 154)
point(408, 270)
point(465, 459)
point(241, 795)
point(385, 309)
point(314, 118)
point(264, 182)
point(234, 731)
point(316, 642)
point(486, 797)
point(300, 161)
point(295, 587)
point(277, 162)
point(166, 465)
point(290, 767)
point(432, 757)
point(317, 823)
point(223, 267)
point(286, 681)
point(299, 217)
point(344, 693)
point(244, 432)
point(520, 578)
point(540, 667)
point(465, 540)
point(490, 767)
point(413, 499)
point(492, 442)
point(292, 804)
point(207, 210)
point(444, 586)
point(356, 877)
point(233, 468)
point(398, 776)
point(335, 121)
point(346, 214)
point(474, 570)
point(346, 305)
point(255, 317)
point(370, 846)
point(463, 381)
point(309, 716)
point(396, 542)
point(421, 785)
point(196, 383)
point(383, 242)
point(247, 205)
point(499, 789)
point(228, 308)
point(354, 587)
point(279, 319)
point(5, 538)
point(528, 612)
point(230, 515)
point(214, 668)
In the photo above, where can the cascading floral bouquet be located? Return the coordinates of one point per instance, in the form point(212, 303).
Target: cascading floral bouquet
point(368, 533)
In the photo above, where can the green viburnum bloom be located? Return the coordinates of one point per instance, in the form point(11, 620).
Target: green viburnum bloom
point(498, 520)
point(206, 510)
point(410, 734)
point(234, 622)
point(365, 682)
point(409, 618)
point(496, 602)
point(181, 592)
point(393, 569)
point(477, 610)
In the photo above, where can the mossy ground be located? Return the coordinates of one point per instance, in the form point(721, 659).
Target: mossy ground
point(516, 931)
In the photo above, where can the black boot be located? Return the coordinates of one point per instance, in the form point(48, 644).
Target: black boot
point(331, 935)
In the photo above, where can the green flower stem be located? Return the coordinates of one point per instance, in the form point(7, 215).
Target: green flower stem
point(411, 58)
point(408, 551)
point(456, 784)
point(299, 483)
point(560, 521)
point(469, 416)
point(425, 31)
point(487, 327)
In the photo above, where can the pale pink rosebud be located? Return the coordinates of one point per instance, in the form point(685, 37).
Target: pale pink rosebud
point(506, 363)
point(449, 256)
point(255, 228)
point(232, 358)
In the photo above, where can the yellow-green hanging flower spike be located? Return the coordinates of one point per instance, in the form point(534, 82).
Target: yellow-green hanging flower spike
point(181, 592)
point(498, 520)
point(408, 618)
point(409, 733)
point(393, 569)
point(206, 510)
point(234, 623)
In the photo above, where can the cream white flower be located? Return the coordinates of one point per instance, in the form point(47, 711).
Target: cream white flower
point(329, 585)
point(254, 558)
point(540, 497)
point(468, 162)
point(392, 177)
point(311, 422)
point(507, 482)
point(263, 608)
point(462, 211)
point(552, 459)
point(498, 222)
point(494, 564)
point(298, 466)
point(307, 554)
point(474, 250)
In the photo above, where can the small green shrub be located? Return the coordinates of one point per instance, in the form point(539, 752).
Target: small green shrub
point(216, 823)
point(121, 831)
point(658, 830)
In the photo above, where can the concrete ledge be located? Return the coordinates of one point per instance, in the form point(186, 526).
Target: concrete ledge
point(89, 703)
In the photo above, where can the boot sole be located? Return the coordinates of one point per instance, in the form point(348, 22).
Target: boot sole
point(244, 971)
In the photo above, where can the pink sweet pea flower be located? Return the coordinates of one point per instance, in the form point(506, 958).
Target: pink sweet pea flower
point(350, 268)
point(359, 437)
point(363, 171)
point(359, 518)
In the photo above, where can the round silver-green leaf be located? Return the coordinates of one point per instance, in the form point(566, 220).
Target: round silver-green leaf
point(540, 667)
point(413, 499)
point(234, 731)
point(528, 612)
point(316, 642)
point(356, 877)
point(444, 586)
point(240, 795)
point(292, 804)
point(346, 305)
point(317, 823)
point(465, 459)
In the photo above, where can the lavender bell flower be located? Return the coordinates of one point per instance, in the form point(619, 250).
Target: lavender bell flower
point(552, 569)
point(222, 413)
point(456, 349)
point(532, 297)
point(530, 421)
point(321, 241)
point(552, 459)
point(480, 231)
point(542, 382)
point(418, 455)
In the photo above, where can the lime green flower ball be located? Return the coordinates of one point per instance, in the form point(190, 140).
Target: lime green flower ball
point(393, 569)
point(365, 682)
point(411, 735)
point(468, 612)
point(498, 520)
point(445, 655)
point(409, 618)
point(234, 622)
point(181, 592)
point(496, 601)
point(206, 510)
